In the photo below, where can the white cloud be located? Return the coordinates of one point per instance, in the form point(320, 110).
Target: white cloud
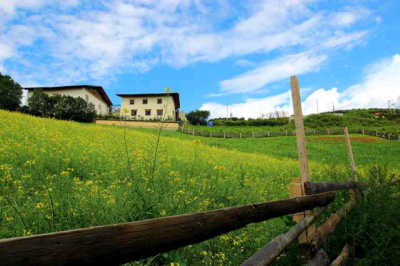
point(273, 71)
point(244, 63)
point(380, 85)
point(349, 17)
point(250, 108)
point(106, 38)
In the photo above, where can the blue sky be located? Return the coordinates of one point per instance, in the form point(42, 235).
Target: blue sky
point(216, 54)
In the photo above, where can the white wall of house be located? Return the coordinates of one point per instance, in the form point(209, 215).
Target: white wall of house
point(90, 96)
point(167, 107)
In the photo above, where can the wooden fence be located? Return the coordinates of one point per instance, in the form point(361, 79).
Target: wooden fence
point(267, 134)
point(126, 242)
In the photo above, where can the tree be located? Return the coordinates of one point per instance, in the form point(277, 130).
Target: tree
point(61, 107)
point(10, 93)
point(39, 104)
point(198, 117)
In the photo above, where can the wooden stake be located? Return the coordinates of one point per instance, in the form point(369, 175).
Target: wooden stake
point(343, 257)
point(302, 151)
point(352, 163)
point(350, 152)
point(301, 139)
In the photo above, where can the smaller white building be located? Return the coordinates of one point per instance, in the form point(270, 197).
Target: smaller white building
point(150, 106)
point(91, 94)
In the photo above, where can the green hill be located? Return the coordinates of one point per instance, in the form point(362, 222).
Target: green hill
point(368, 119)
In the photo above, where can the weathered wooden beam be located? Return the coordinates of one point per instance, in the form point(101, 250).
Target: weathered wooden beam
point(311, 188)
point(394, 182)
point(350, 152)
point(300, 135)
point(353, 193)
point(271, 251)
point(320, 259)
point(328, 227)
point(341, 260)
point(122, 243)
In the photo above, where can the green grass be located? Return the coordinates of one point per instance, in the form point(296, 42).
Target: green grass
point(58, 175)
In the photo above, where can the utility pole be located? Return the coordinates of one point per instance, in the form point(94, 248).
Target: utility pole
point(317, 108)
point(227, 112)
point(333, 106)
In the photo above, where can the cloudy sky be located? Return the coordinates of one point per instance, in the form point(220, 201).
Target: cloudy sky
point(216, 54)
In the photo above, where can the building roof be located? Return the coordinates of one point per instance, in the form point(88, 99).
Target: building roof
point(174, 95)
point(99, 89)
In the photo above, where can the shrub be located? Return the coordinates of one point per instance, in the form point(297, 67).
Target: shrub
point(198, 117)
point(61, 107)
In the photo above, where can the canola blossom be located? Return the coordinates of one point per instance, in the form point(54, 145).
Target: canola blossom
point(59, 175)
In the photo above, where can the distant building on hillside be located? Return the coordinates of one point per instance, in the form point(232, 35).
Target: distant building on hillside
point(150, 106)
point(91, 94)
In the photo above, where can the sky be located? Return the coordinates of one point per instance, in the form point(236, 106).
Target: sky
point(219, 55)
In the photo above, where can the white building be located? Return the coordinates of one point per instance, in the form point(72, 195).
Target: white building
point(91, 94)
point(150, 106)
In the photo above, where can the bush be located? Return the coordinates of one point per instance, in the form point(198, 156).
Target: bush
point(198, 117)
point(10, 93)
point(61, 107)
point(373, 226)
point(250, 122)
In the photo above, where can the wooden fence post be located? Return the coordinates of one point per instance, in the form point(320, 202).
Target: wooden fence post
point(193, 132)
point(389, 136)
point(252, 134)
point(352, 163)
point(328, 131)
point(286, 132)
point(314, 131)
point(210, 134)
point(268, 133)
point(363, 131)
point(240, 134)
point(302, 151)
point(224, 134)
point(376, 133)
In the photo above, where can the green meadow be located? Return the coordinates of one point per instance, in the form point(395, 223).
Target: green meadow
point(59, 175)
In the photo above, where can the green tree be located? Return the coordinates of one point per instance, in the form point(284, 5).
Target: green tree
point(10, 93)
point(61, 107)
point(39, 103)
point(198, 117)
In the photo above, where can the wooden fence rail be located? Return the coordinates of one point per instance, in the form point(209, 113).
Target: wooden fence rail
point(271, 251)
point(210, 134)
point(122, 243)
point(311, 188)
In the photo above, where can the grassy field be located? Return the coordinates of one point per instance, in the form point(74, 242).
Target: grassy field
point(58, 175)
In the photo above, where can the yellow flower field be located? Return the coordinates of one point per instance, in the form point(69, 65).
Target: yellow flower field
point(58, 175)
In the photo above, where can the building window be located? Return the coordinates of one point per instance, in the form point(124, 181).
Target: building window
point(144, 101)
point(131, 102)
point(147, 112)
point(159, 101)
point(133, 112)
point(160, 112)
